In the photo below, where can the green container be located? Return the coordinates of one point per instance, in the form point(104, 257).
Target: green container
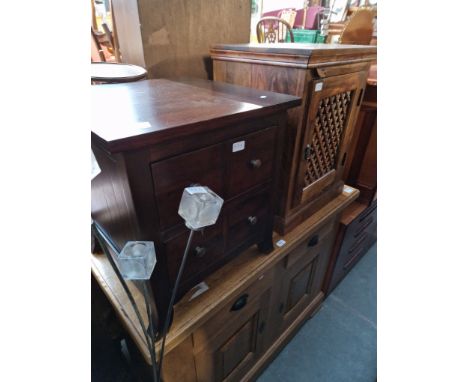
point(303, 35)
point(320, 39)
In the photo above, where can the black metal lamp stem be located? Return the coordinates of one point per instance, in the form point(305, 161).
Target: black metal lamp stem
point(171, 303)
point(149, 341)
point(146, 294)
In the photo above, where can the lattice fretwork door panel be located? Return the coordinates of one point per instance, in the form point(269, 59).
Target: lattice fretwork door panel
point(330, 120)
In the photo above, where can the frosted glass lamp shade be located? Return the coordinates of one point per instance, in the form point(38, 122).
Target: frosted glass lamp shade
point(137, 260)
point(199, 207)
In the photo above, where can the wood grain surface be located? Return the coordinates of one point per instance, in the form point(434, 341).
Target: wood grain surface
point(148, 112)
point(299, 55)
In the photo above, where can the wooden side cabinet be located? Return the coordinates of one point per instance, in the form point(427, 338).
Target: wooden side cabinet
point(331, 81)
point(251, 309)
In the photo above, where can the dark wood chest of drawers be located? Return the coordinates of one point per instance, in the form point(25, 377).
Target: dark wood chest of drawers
point(161, 136)
point(331, 81)
point(357, 232)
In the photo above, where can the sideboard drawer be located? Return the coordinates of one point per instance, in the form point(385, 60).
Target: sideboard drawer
point(310, 247)
point(233, 312)
point(364, 222)
point(172, 175)
point(250, 161)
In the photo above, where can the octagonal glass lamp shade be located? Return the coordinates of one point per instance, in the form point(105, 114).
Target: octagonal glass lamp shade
point(137, 260)
point(199, 207)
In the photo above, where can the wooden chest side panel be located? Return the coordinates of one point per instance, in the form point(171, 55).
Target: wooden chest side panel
point(112, 203)
point(232, 73)
point(285, 80)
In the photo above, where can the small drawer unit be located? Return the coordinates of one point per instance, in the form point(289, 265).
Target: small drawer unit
point(163, 136)
point(356, 234)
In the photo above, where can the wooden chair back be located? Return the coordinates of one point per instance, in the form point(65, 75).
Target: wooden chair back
point(358, 29)
point(109, 38)
point(97, 53)
point(273, 29)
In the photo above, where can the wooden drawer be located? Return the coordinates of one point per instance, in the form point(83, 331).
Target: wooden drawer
point(253, 163)
point(359, 238)
point(171, 176)
point(247, 218)
point(358, 248)
point(364, 222)
point(309, 247)
point(354, 239)
point(206, 252)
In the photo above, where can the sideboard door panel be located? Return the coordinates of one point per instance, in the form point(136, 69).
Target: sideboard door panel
point(301, 275)
point(228, 353)
point(330, 117)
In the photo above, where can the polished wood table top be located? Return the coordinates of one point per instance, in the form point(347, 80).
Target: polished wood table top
point(113, 72)
point(152, 111)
